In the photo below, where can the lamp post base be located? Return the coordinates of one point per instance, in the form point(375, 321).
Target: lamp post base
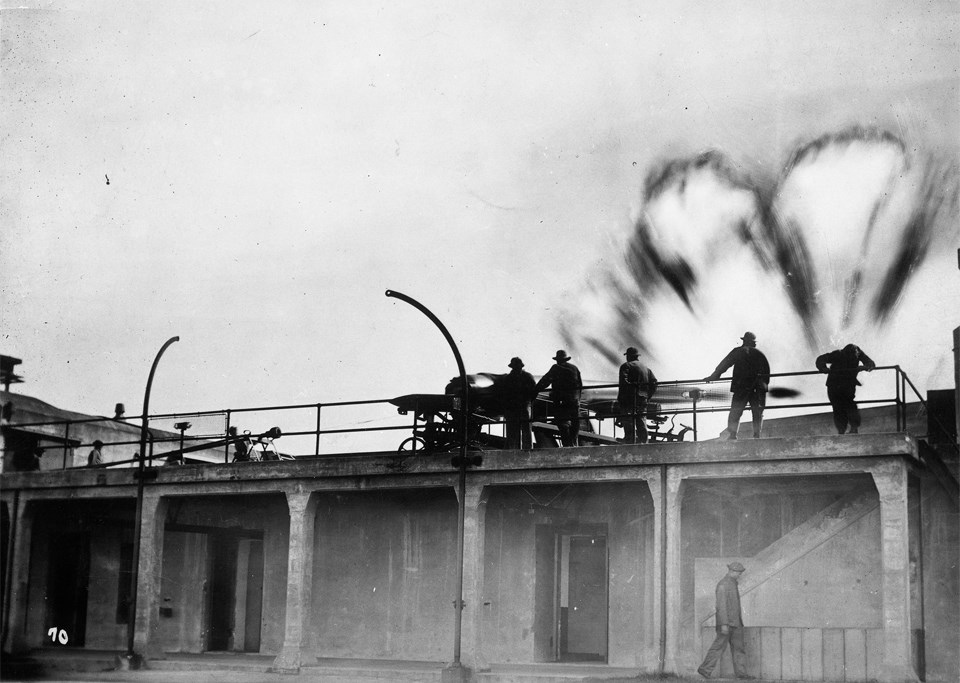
point(455, 673)
point(129, 662)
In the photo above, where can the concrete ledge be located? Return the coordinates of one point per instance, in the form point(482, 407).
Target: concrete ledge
point(436, 470)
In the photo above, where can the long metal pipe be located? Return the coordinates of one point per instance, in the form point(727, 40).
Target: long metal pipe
point(134, 573)
point(661, 667)
point(462, 479)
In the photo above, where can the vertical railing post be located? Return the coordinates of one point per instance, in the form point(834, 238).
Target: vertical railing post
point(66, 444)
point(903, 392)
point(694, 418)
point(896, 381)
point(316, 448)
point(226, 435)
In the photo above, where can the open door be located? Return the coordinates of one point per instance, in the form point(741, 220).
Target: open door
point(571, 613)
point(221, 596)
point(249, 609)
point(583, 598)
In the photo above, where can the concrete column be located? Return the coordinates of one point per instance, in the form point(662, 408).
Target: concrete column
point(656, 484)
point(474, 533)
point(149, 577)
point(892, 484)
point(673, 659)
point(15, 638)
point(296, 651)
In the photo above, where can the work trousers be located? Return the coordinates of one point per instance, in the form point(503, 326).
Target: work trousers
point(567, 411)
point(757, 400)
point(519, 432)
point(634, 422)
point(845, 411)
point(734, 636)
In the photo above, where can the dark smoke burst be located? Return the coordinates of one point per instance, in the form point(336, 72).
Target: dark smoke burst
point(752, 210)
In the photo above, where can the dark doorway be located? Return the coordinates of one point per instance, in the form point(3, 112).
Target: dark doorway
point(254, 597)
point(582, 596)
point(221, 596)
point(68, 576)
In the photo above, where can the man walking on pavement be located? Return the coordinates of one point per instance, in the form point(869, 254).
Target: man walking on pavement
point(566, 385)
point(637, 385)
point(751, 375)
point(729, 626)
point(519, 389)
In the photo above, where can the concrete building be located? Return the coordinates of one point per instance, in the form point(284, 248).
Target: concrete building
point(599, 559)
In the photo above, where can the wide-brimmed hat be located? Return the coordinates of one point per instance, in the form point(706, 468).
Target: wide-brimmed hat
point(749, 336)
point(736, 567)
point(561, 355)
point(632, 351)
point(515, 362)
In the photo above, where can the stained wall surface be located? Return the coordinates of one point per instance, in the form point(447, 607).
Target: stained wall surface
point(522, 599)
point(383, 575)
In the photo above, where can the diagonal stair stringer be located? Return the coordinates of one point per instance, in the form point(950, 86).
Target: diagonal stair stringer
point(805, 538)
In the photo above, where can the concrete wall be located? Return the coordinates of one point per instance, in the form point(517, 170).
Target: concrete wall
point(383, 559)
point(835, 586)
point(517, 622)
point(183, 592)
point(103, 630)
point(185, 579)
point(815, 567)
point(106, 523)
point(940, 522)
point(384, 574)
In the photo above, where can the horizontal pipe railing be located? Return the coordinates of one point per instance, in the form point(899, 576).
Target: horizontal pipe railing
point(713, 398)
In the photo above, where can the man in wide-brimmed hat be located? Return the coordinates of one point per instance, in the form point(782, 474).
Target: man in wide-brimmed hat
point(729, 626)
point(637, 384)
point(565, 387)
point(751, 376)
point(518, 389)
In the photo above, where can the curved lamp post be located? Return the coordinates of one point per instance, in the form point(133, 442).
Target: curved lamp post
point(462, 480)
point(140, 475)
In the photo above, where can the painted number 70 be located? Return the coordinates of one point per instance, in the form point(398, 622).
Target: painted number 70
point(58, 634)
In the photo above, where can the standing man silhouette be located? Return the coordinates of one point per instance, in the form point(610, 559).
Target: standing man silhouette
point(566, 385)
point(729, 626)
point(842, 384)
point(519, 389)
point(637, 384)
point(751, 376)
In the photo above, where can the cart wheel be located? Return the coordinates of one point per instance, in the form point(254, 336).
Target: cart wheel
point(411, 444)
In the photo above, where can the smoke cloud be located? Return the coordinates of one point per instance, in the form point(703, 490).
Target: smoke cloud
point(843, 227)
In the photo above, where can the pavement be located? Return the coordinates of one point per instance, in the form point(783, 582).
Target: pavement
point(250, 668)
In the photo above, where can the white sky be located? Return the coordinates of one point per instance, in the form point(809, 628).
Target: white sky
point(274, 167)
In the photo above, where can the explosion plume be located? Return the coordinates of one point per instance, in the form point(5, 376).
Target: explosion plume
point(843, 227)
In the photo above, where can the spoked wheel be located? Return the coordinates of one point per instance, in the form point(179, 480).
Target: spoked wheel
point(414, 443)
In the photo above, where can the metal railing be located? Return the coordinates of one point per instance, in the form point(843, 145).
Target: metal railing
point(311, 430)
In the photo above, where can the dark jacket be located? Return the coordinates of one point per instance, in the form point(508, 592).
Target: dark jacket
point(563, 380)
point(750, 369)
point(517, 389)
point(844, 366)
point(636, 380)
point(728, 603)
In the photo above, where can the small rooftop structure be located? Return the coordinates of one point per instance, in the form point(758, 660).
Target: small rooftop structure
point(7, 375)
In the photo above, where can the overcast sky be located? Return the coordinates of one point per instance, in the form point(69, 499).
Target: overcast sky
point(274, 167)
